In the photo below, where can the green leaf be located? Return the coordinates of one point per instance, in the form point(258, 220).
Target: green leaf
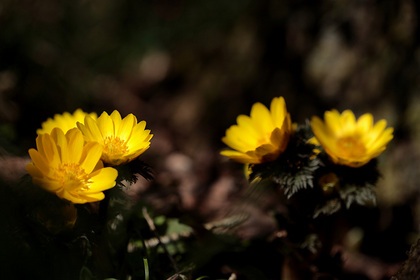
point(312, 243)
point(129, 172)
point(174, 226)
point(330, 207)
point(146, 269)
point(362, 195)
point(159, 220)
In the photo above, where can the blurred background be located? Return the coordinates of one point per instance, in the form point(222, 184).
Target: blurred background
point(190, 67)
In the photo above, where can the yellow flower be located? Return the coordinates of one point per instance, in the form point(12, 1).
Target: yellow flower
point(261, 137)
point(122, 139)
point(65, 165)
point(350, 142)
point(65, 122)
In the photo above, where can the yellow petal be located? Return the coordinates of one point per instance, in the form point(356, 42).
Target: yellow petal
point(85, 131)
point(40, 145)
point(148, 138)
point(348, 121)
point(279, 139)
point(139, 141)
point(333, 122)
point(92, 126)
point(139, 127)
point(39, 162)
point(371, 137)
point(239, 157)
point(33, 170)
point(321, 132)
point(93, 153)
point(126, 127)
point(276, 137)
point(278, 111)
point(106, 125)
point(139, 135)
point(379, 127)
point(365, 123)
point(50, 148)
point(61, 142)
point(71, 197)
point(265, 149)
point(116, 118)
point(382, 139)
point(103, 179)
point(262, 118)
point(75, 146)
point(247, 126)
point(235, 140)
point(92, 197)
point(47, 184)
point(98, 166)
point(135, 153)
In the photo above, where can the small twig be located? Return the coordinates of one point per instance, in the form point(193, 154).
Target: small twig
point(179, 275)
point(153, 228)
point(176, 276)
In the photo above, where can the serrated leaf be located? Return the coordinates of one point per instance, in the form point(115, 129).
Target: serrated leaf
point(361, 195)
point(312, 243)
point(330, 207)
point(129, 172)
point(294, 180)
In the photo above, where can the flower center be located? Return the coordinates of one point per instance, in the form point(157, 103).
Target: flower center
point(71, 174)
point(115, 146)
point(351, 147)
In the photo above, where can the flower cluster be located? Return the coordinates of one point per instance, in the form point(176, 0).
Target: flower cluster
point(71, 150)
point(334, 154)
point(264, 135)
